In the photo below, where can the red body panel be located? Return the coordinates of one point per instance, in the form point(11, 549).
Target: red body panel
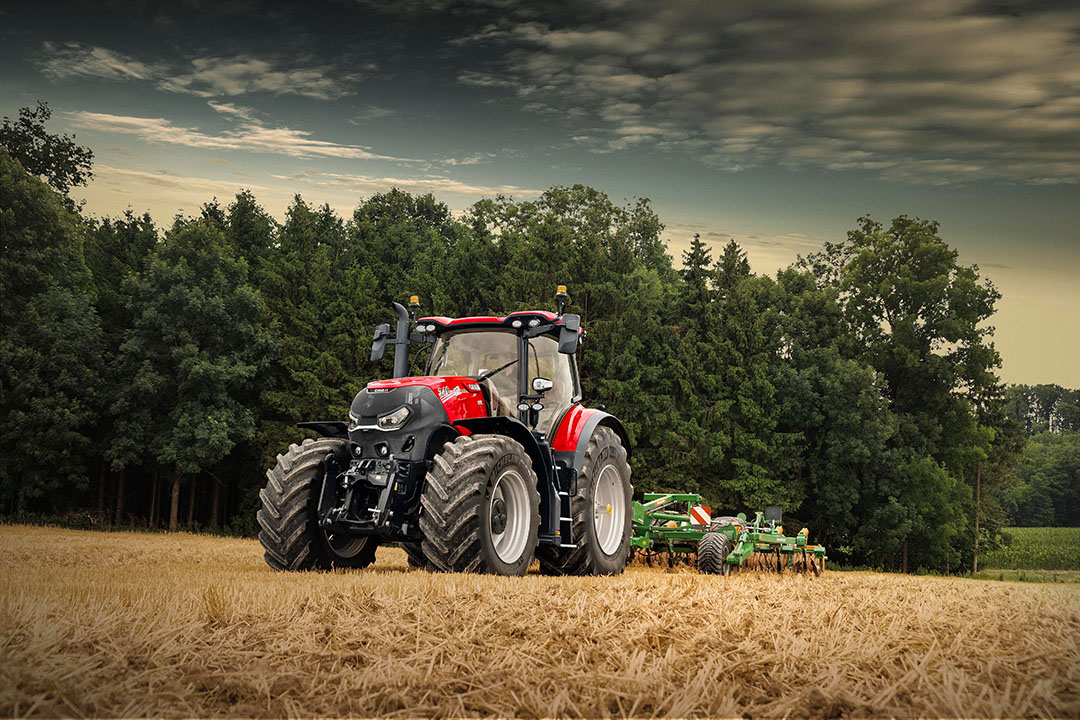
point(569, 432)
point(487, 319)
point(461, 321)
point(460, 396)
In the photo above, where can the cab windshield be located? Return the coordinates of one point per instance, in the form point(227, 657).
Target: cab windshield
point(473, 353)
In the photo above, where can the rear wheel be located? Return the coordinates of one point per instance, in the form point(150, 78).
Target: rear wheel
point(481, 507)
point(289, 533)
point(601, 513)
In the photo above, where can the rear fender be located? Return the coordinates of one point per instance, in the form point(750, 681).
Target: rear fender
point(576, 429)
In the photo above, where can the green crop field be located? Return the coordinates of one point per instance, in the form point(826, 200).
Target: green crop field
point(1037, 548)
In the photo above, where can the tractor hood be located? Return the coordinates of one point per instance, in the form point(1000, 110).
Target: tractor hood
point(380, 427)
point(460, 396)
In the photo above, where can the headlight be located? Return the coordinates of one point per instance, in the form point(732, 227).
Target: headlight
point(394, 420)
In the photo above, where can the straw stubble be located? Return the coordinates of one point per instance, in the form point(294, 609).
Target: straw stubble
point(118, 624)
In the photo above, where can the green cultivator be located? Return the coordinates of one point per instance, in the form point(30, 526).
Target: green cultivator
point(721, 544)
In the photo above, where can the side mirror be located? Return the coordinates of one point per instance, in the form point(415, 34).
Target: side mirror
point(569, 335)
point(541, 385)
point(378, 345)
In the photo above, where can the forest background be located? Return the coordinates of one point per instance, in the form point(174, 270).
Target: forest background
point(149, 375)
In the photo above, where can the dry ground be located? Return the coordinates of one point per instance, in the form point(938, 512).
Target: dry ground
point(135, 624)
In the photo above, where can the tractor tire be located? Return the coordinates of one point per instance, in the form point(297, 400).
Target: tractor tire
point(290, 534)
point(601, 546)
point(481, 507)
point(415, 553)
point(712, 550)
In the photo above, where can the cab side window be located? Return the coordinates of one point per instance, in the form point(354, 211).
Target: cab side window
point(546, 361)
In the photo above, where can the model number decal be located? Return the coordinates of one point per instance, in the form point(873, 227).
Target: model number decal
point(446, 393)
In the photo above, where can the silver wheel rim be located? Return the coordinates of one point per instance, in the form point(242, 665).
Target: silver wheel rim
point(609, 509)
point(345, 546)
point(508, 515)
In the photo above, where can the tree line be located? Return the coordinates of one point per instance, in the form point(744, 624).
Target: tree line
point(1046, 487)
point(150, 374)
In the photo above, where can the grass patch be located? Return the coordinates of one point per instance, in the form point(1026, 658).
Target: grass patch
point(1036, 576)
point(1036, 548)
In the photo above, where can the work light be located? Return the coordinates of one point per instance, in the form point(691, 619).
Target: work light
point(394, 420)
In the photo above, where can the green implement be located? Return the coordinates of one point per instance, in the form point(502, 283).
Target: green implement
point(721, 544)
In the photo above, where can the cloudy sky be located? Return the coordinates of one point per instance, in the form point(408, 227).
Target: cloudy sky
point(774, 122)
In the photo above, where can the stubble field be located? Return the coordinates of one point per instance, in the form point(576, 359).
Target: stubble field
point(119, 624)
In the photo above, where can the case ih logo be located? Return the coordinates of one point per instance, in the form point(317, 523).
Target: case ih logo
point(446, 393)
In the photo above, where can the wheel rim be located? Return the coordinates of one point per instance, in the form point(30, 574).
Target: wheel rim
point(345, 546)
point(508, 510)
point(609, 509)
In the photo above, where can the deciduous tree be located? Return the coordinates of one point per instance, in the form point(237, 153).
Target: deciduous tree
point(50, 347)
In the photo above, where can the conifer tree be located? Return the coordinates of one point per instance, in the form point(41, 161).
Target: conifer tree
point(116, 252)
point(197, 346)
point(322, 308)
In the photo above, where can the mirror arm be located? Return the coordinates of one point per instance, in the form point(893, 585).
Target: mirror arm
point(538, 330)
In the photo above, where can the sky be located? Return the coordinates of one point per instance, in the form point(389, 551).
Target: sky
point(777, 123)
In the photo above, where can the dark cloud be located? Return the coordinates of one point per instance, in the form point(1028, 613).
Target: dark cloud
point(914, 91)
point(940, 92)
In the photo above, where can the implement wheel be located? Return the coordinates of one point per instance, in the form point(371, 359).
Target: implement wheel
point(712, 550)
point(290, 534)
point(601, 513)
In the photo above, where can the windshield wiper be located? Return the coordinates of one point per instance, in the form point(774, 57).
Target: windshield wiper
point(499, 369)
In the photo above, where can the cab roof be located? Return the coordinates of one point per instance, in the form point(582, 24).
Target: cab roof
point(479, 321)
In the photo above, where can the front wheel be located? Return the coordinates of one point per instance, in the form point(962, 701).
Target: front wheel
point(290, 534)
point(601, 513)
point(414, 552)
point(481, 507)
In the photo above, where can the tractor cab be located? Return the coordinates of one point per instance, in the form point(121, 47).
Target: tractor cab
point(520, 377)
point(523, 363)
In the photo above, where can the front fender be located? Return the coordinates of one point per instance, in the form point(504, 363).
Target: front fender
point(327, 428)
point(499, 425)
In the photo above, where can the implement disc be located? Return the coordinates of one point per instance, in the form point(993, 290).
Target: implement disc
point(805, 562)
point(769, 560)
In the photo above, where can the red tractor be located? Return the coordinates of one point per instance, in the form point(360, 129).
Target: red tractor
point(484, 463)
